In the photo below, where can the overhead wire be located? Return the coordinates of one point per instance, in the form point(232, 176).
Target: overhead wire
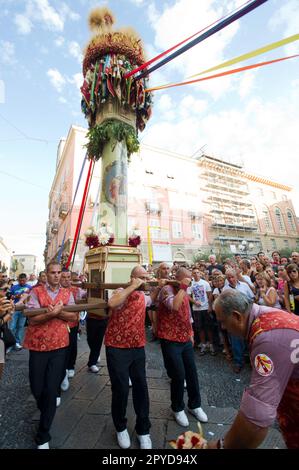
point(26, 137)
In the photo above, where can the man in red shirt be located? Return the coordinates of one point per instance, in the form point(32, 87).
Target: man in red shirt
point(79, 294)
point(176, 338)
point(125, 341)
point(47, 338)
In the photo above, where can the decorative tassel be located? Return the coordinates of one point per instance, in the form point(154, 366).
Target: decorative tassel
point(101, 20)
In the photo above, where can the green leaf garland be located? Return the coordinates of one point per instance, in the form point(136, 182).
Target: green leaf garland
point(110, 130)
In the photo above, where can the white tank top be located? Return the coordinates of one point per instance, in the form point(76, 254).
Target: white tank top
point(262, 302)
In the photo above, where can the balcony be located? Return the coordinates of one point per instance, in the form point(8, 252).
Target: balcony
point(54, 228)
point(194, 215)
point(224, 177)
point(237, 239)
point(233, 212)
point(153, 207)
point(63, 210)
point(235, 226)
point(219, 198)
point(227, 188)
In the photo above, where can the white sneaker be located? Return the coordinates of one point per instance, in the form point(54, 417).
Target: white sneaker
point(145, 441)
point(199, 414)
point(18, 347)
point(94, 369)
point(58, 402)
point(185, 384)
point(65, 383)
point(70, 373)
point(130, 382)
point(123, 439)
point(181, 418)
point(44, 446)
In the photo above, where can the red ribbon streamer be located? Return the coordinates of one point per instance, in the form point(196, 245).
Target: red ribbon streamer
point(149, 62)
point(81, 213)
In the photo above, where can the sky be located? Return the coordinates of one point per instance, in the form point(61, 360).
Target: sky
point(250, 118)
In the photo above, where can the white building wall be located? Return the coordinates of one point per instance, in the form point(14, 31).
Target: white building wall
point(4, 254)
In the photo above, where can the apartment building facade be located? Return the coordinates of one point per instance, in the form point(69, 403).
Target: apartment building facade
point(23, 263)
point(183, 206)
point(4, 257)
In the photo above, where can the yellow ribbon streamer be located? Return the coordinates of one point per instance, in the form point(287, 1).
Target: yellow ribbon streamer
point(256, 52)
point(249, 55)
point(221, 74)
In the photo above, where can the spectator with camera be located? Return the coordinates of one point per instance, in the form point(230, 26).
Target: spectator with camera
point(6, 309)
point(17, 324)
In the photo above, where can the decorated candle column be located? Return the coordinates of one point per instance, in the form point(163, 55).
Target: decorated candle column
point(116, 109)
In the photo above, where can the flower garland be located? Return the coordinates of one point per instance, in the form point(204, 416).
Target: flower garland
point(135, 238)
point(110, 130)
point(109, 56)
point(104, 79)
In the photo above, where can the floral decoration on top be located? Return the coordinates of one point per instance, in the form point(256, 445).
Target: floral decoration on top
point(104, 236)
point(135, 237)
point(190, 440)
point(109, 55)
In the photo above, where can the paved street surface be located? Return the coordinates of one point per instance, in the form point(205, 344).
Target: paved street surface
point(83, 421)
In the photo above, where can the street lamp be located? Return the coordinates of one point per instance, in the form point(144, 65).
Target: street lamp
point(244, 244)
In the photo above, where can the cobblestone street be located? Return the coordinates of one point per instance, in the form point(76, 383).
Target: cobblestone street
point(83, 421)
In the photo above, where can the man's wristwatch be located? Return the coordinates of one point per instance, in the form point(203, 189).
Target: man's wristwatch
point(220, 443)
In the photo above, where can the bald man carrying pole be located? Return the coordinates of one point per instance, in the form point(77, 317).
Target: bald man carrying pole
point(125, 341)
point(273, 339)
point(176, 338)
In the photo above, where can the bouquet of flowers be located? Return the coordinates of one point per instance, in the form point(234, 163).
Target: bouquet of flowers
point(106, 236)
point(135, 238)
point(103, 237)
point(190, 440)
point(91, 238)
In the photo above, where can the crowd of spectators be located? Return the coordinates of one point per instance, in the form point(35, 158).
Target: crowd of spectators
point(269, 281)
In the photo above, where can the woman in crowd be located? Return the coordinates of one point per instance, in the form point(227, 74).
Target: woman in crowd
point(291, 289)
point(281, 281)
point(266, 294)
point(218, 283)
point(258, 268)
point(270, 272)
